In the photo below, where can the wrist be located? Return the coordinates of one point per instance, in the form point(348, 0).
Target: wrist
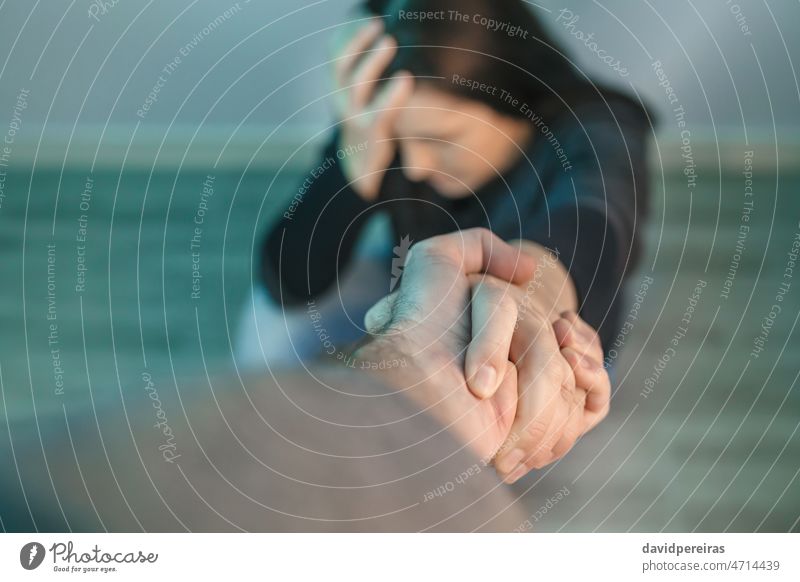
point(428, 379)
point(391, 357)
point(391, 361)
point(401, 365)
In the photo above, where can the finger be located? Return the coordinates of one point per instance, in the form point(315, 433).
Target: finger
point(569, 336)
point(436, 268)
point(578, 334)
point(369, 71)
point(591, 377)
point(505, 398)
point(540, 383)
point(355, 49)
point(393, 98)
point(380, 314)
point(573, 426)
point(497, 257)
point(478, 250)
point(565, 399)
point(494, 316)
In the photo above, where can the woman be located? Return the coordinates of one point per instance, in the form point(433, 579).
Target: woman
point(456, 114)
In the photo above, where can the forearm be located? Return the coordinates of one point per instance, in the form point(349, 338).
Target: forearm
point(329, 449)
point(315, 236)
point(426, 381)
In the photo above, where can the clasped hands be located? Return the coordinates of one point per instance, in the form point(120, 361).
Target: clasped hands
point(517, 384)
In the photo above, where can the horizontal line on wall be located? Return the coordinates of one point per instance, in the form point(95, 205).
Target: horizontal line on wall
point(263, 148)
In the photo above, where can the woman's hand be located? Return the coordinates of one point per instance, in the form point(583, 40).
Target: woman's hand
point(368, 114)
point(581, 347)
point(563, 389)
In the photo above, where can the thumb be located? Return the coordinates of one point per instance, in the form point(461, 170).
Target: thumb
point(380, 314)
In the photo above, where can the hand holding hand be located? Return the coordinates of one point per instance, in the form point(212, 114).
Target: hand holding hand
point(428, 322)
point(456, 315)
point(564, 391)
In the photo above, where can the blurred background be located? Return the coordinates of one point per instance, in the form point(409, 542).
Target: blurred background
point(115, 114)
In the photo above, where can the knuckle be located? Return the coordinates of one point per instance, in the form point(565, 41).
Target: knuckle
point(560, 328)
point(601, 395)
point(573, 430)
point(553, 373)
point(578, 402)
point(535, 432)
point(539, 461)
point(435, 249)
point(485, 235)
point(576, 340)
point(425, 247)
point(565, 372)
point(562, 448)
point(571, 356)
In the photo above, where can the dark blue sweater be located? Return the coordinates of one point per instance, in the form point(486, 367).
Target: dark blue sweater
point(580, 189)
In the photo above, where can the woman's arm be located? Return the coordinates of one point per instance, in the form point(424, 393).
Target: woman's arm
point(313, 240)
point(595, 210)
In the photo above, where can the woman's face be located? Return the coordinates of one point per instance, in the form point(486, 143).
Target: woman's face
point(455, 144)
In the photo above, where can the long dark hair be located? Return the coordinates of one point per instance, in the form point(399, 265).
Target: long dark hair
point(517, 54)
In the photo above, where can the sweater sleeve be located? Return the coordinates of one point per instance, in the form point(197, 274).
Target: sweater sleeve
point(595, 210)
point(313, 239)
